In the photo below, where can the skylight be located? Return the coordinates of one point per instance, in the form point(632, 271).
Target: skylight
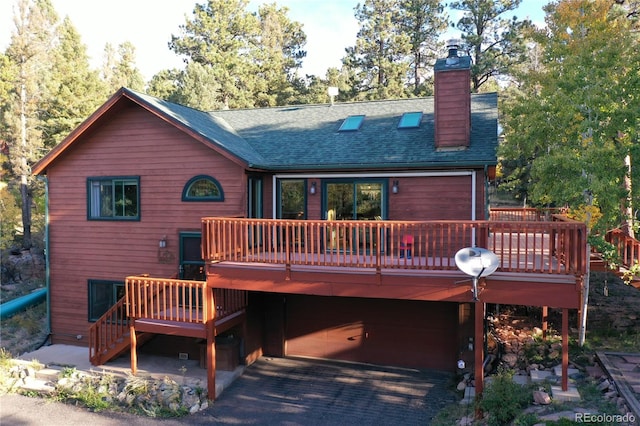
point(410, 120)
point(351, 123)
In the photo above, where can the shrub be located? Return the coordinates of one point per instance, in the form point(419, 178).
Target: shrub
point(503, 399)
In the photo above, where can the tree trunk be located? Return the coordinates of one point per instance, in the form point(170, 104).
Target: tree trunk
point(26, 213)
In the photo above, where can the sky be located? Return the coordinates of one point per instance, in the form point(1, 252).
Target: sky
point(329, 25)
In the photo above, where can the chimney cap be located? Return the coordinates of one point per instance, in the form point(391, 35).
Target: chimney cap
point(453, 43)
point(453, 61)
point(452, 56)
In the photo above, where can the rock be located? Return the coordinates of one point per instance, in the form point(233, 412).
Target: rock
point(541, 398)
point(466, 421)
point(510, 359)
point(603, 385)
point(461, 386)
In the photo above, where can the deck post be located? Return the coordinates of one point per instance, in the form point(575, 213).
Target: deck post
point(211, 342)
point(134, 348)
point(545, 321)
point(478, 348)
point(565, 349)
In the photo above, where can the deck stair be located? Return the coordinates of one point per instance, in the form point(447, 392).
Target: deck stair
point(157, 305)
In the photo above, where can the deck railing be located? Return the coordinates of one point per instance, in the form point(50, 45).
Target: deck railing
point(627, 247)
point(524, 214)
point(538, 247)
point(179, 300)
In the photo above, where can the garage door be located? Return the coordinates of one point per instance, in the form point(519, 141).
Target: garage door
point(388, 332)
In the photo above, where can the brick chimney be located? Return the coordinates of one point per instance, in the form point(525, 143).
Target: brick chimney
point(452, 99)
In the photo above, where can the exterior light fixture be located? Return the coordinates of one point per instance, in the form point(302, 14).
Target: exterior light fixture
point(312, 190)
point(163, 242)
point(396, 187)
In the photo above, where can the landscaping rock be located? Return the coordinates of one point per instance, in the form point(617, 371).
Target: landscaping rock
point(541, 398)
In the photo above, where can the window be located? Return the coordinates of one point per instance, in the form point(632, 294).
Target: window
point(351, 123)
point(292, 199)
point(202, 188)
point(113, 198)
point(103, 295)
point(410, 120)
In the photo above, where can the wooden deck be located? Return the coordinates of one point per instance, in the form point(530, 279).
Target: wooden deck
point(164, 306)
point(528, 247)
point(372, 259)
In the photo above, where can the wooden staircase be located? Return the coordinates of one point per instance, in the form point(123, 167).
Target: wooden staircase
point(109, 335)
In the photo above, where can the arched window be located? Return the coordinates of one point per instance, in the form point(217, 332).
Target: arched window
point(202, 188)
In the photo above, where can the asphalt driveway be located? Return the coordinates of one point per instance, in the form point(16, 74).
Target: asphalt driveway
point(279, 391)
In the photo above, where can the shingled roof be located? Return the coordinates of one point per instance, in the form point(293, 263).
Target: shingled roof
point(306, 137)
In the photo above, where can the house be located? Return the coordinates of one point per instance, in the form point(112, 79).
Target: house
point(311, 230)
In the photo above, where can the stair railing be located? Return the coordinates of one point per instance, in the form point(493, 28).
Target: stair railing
point(110, 329)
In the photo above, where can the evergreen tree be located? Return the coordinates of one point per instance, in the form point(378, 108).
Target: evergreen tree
point(165, 84)
point(29, 64)
point(423, 21)
point(119, 68)
point(74, 91)
point(198, 88)
point(378, 57)
point(220, 36)
point(278, 56)
point(495, 44)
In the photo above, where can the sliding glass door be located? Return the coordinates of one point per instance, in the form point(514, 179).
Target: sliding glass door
point(354, 200)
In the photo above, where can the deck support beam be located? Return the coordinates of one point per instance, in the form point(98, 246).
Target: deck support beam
point(134, 348)
point(565, 349)
point(479, 347)
point(545, 322)
point(211, 342)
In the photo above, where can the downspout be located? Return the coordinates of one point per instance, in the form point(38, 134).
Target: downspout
point(487, 204)
point(274, 197)
point(47, 269)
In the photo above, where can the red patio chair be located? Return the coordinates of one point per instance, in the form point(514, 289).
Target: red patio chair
point(406, 245)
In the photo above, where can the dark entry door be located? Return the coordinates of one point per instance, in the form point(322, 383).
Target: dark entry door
point(191, 263)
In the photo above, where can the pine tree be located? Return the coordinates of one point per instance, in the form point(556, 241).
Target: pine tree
point(220, 36)
point(378, 57)
point(119, 69)
point(495, 45)
point(74, 90)
point(29, 63)
point(423, 21)
point(278, 55)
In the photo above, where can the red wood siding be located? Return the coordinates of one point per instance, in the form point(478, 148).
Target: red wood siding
point(390, 332)
point(452, 108)
point(436, 198)
point(314, 202)
point(132, 143)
